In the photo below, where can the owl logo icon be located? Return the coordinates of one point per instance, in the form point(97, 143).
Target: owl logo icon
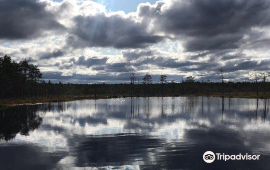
point(209, 157)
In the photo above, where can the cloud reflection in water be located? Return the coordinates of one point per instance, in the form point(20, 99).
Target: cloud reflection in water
point(137, 133)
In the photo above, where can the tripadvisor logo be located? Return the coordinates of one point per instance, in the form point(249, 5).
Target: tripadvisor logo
point(210, 157)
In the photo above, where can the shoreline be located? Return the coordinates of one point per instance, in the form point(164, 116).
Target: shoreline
point(6, 103)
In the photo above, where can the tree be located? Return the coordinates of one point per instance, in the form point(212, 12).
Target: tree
point(132, 78)
point(256, 77)
point(147, 80)
point(162, 79)
point(222, 75)
point(190, 79)
point(222, 79)
point(132, 82)
point(264, 77)
point(25, 67)
point(18, 79)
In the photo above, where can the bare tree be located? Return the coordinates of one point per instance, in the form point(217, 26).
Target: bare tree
point(221, 74)
point(222, 79)
point(132, 82)
point(263, 77)
point(163, 80)
point(132, 78)
point(256, 77)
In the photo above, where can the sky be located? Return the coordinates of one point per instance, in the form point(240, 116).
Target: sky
point(92, 41)
point(123, 5)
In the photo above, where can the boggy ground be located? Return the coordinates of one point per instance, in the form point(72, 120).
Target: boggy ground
point(25, 101)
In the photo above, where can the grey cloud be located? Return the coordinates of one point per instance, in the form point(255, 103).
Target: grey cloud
point(263, 65)
point(100, 64)
point(110, 31)
point(153, 57)
point(54, 54)
point(204, 24)
point(135, 54)
point(25, 19)
point(83, 78)
point(117, 67)
point(218, 42)
point(89, 62)
point(214, 76)
point(216, 31)
point(114, 68)
point(166, 62)
point(200, 55)
point(99, 68)
point(210, 24)
point(229, 57)
point(201, 67)
point(146, 59)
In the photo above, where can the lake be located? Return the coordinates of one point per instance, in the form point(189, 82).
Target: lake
point(135, 133)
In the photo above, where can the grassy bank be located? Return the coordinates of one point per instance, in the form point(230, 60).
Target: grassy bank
point(15, 102)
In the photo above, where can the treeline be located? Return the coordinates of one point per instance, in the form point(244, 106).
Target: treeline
point(24, 80)
point(18, 79)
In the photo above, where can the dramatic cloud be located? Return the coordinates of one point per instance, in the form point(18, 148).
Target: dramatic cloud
point(118, 67)
point(81, 41)
point(116, 30)
point(207, 24)
point(25, 19)
point(88, 62)
point(54, 54)
point(248, 65)
point(135, 54)
point(165, 60)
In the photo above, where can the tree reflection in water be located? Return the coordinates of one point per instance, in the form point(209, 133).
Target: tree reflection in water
point(24, 119)
point(135, 133)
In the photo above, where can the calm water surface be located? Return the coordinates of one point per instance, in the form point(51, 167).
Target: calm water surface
point(133, 134)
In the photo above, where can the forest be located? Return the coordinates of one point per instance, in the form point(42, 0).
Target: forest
point(19, 80)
